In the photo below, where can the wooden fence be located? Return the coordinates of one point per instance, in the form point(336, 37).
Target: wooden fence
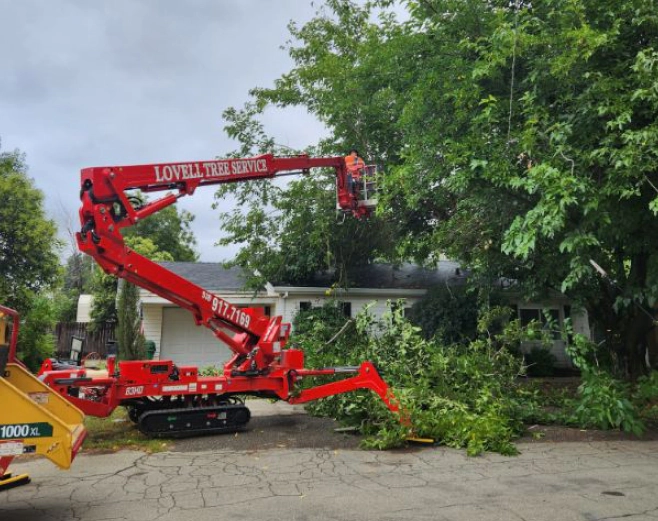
point(95, 341)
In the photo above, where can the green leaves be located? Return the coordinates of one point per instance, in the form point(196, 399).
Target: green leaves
point(288, 231)
point(449, 313)
point(519, 140)
point(604, 403)
point(164, 236)
point(29, 265)
point(131, 341)
point(169, 233)
point(462, 396)
point(36, 341)
point(28, 240)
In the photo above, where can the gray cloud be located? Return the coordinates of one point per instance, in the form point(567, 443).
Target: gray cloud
point(92, 83)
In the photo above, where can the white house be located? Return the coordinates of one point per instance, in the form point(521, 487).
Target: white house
point(177, 337)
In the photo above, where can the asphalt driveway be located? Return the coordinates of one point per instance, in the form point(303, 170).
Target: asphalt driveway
point(273, 475)
point(566, 481)
point(276, 425)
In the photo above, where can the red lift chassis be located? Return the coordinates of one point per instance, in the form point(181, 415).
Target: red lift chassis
point(169, 400)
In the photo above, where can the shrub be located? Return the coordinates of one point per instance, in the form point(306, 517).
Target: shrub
point(645, 397)
point(36, 341)
point(321, 322)
point(603, 401)
point(646, 390)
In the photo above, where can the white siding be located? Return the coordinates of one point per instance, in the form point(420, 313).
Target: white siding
point(188, 344)
point(358, 303)
point(153, 308)
point(580, 320)
point(178, 338)
point(152, 322)
point(83, 313)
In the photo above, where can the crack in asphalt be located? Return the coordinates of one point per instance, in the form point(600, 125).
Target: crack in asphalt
point(327, 484)
point(629, 515)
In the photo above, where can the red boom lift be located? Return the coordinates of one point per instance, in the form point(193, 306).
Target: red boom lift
point(165, 399)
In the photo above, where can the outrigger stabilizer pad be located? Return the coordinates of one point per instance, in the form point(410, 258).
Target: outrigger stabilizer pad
point(426, 441)
point(8, 481)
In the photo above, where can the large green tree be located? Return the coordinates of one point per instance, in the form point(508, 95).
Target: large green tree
point(29, 265)
point(104, 286)
point(28, 239)
point(539, 138)
point(170, 231)
point(290, 230)
point(519, 138)
point(77, 279)
point(36, 340)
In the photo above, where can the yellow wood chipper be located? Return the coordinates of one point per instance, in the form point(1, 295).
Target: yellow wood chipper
point(33, 418)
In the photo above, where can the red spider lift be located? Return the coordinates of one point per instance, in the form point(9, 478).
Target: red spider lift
point(165, 399)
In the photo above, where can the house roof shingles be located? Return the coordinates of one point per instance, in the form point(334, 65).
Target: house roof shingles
point(212, 275)
point(387, 276)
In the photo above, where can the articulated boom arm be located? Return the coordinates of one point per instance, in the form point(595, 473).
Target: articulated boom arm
point(166, 399)
point(106, 208)
point(110, 183)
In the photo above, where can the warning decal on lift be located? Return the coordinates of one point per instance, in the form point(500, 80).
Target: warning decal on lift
point(11, 448)
point(40, 398)
point(25, 430)
point(174, 388)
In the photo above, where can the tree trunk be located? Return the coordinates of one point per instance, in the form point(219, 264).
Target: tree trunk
point(635, 345)
point(652, 348)
point(627, 338)
point(629, 331)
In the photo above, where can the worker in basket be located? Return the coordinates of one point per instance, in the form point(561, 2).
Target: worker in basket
point(355, 166)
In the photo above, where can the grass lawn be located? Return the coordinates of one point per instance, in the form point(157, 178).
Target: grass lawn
point(118, 432)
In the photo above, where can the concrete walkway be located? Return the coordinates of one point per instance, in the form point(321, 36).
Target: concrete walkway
point(565, 481)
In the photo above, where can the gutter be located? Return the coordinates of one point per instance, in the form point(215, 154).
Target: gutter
point(353, 292)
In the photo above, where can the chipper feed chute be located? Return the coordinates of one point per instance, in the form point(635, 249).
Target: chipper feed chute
point(33, 418)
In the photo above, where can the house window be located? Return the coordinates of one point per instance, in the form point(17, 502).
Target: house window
point(545, 317)
point(399, 305)
point(305, 305)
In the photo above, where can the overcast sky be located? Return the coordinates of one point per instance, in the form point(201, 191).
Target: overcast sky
point(119, 82)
